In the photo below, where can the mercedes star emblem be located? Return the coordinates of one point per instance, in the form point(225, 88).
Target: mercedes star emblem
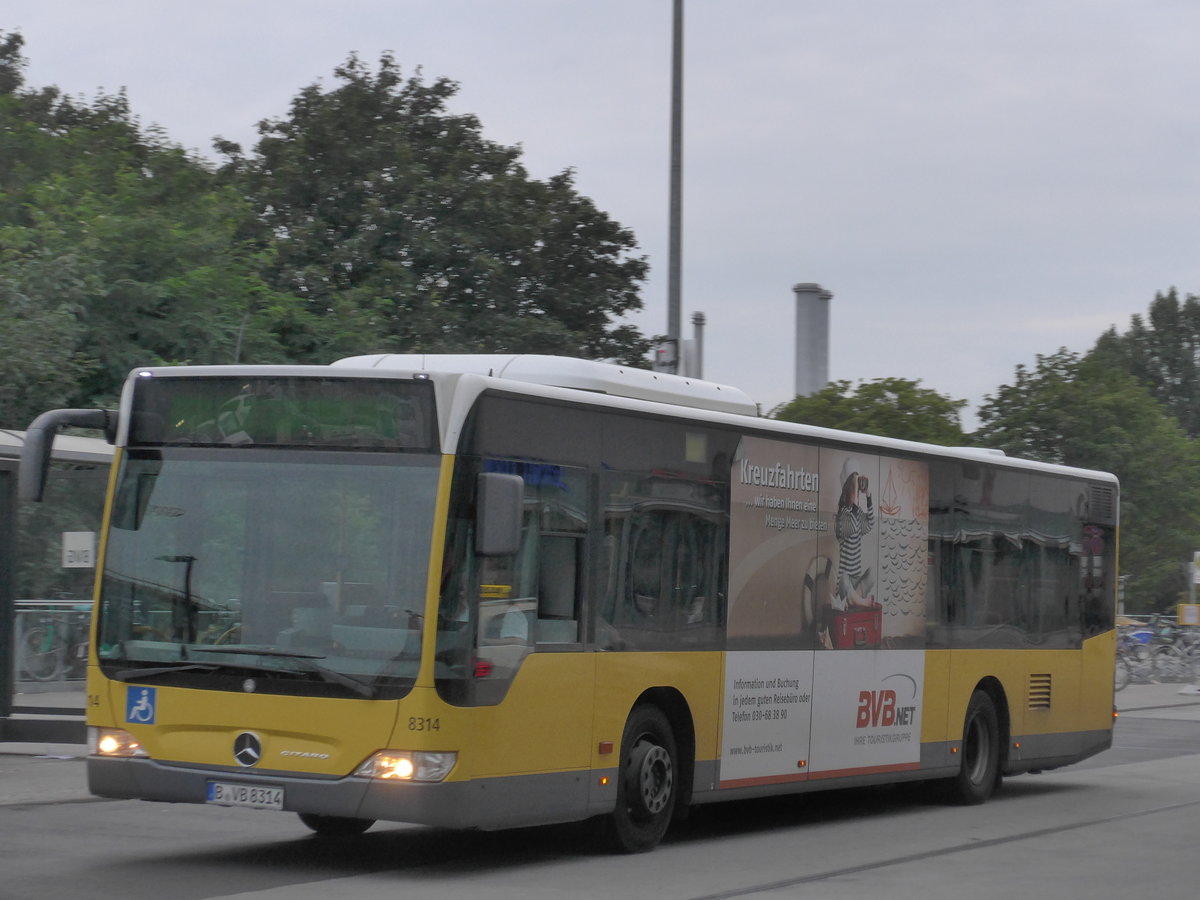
point(247, 749)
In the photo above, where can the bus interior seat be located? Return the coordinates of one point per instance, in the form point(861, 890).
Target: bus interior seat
point(506, 627)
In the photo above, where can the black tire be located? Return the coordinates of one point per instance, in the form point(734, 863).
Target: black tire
point(647, 782)
point(979, 771)
point(335, 826)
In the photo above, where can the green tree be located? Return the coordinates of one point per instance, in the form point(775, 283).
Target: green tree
point(891, 407)
point(117, 249)
point(1162, 350)
point(41, 360)
point(1081, 411)
point(402, 228)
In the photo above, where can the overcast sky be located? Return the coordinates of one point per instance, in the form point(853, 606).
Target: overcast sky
point(976, 182)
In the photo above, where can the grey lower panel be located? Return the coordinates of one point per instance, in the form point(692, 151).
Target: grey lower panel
point(148, 779)
point(513, 801)
point(486, 803)
point(816, 784)
point(1029, 753)
point(1026, 753)
point(707, 774)
point(1050, 751)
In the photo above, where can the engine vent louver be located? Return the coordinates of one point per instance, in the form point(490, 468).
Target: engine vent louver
point(1102, 502)
point(1039, 691)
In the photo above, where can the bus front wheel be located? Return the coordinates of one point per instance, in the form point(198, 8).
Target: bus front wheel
point(647, 783)
point(335, 826)
point(979, 771)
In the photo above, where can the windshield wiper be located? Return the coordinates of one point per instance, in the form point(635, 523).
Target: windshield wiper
point(358, 686)
point(138, 674)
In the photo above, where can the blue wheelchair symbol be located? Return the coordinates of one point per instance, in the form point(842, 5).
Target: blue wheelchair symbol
point(139, 704)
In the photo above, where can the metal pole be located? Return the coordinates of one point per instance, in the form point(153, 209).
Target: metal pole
point(8, 608)
point(674, 303)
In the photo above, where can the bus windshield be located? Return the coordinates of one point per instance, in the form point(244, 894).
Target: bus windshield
point(304, 571)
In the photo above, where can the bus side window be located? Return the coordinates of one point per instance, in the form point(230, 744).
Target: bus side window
point(645, 583)
point(545, 578)
point(558, 589)
point(671, 593)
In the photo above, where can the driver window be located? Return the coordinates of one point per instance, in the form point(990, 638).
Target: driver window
point(532, 599)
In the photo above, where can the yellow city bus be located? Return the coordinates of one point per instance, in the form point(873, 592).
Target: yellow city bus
point(497, 591)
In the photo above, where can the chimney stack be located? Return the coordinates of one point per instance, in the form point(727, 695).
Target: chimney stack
point(812, 338)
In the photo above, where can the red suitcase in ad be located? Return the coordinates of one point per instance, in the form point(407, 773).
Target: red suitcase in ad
point(857, 628)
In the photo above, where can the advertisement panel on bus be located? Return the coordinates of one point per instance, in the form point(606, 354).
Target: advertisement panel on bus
point(827, 554)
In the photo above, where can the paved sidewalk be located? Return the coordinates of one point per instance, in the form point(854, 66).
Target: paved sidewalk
point(1140, 696)
point(1164, 701)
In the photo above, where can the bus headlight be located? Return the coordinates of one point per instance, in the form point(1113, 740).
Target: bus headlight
point(114, 742)
point(408, 765)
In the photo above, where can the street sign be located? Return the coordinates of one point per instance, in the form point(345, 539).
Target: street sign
point(79, 549)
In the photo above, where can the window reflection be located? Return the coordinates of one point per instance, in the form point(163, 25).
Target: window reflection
point(497, 610)
point(665, 540)
point(1019, 562)
point(326, 558)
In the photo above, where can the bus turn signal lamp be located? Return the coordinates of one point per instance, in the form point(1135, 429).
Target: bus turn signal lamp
point(114, 742)
point(406, 765)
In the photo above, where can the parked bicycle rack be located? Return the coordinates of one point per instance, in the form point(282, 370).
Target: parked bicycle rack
point(50, 662)
point(50, 637)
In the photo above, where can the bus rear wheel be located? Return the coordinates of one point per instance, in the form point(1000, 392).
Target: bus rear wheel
point(335, 826)
point(647, 782)
point(979, 771)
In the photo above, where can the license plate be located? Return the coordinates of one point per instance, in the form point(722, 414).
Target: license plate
point(224, 793)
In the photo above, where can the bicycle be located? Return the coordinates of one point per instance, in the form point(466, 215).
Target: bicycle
point(1185, 638)
point(1132, 662)
point(53, 644)
point(1176, 645)
point(1122, 669)
point(1159, 660)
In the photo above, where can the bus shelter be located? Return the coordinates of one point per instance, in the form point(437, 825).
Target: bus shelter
point(47, 569)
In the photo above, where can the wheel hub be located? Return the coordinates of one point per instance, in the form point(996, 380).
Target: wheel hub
point(656, 780)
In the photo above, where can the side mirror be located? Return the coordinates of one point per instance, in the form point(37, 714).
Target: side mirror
point(39, 441)
point(499, 503)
